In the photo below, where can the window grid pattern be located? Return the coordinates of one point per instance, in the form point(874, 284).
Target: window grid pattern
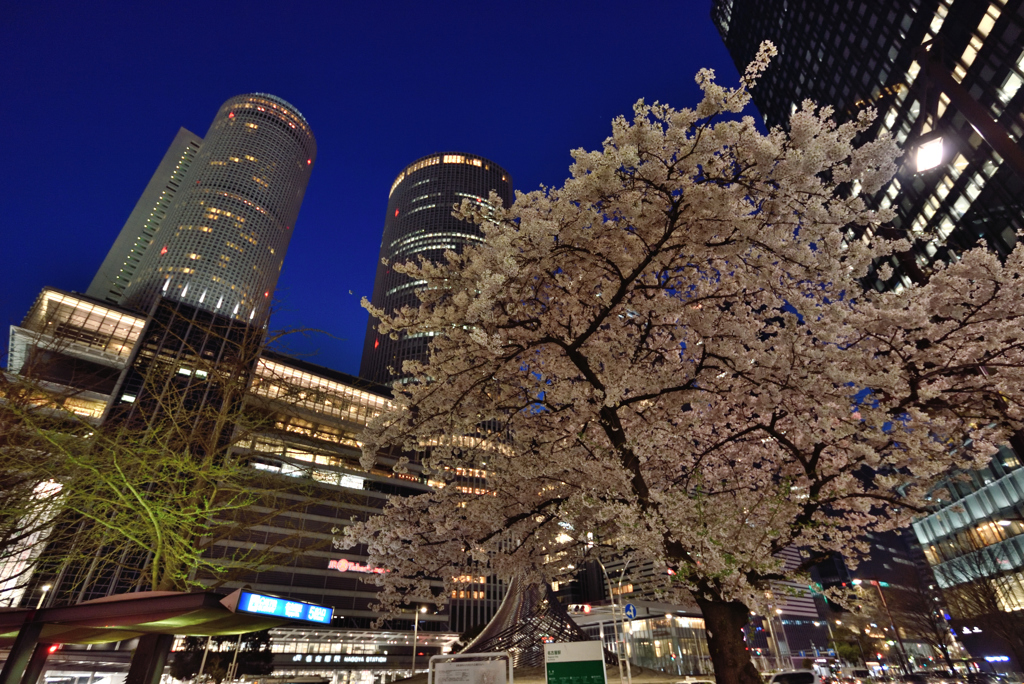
point(852, 54)
point(73, 320)
point(222, 244)
point(151, 222)
point(419, 224)
point(315, 393)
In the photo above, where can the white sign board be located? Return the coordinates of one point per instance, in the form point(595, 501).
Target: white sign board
point(471, 668)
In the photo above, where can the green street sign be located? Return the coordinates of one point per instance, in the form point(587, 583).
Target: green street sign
point(579, 662)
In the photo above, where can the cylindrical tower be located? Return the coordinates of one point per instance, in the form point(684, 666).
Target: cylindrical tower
point(419, 222)
point(222, 244)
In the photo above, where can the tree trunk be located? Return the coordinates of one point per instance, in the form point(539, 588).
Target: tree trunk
point(945, 656)
point(724, 622)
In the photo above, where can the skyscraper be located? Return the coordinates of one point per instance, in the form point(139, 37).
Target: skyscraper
point(180, 360)
point(935, 70)
point(222, 243)
point(135, 237)
point(949, 68)
point(419, 223)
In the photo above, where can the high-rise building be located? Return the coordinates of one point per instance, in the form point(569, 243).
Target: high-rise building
point(300, 420)
point(935, 70)
point(949, 68)
point(222, 242)
point(169, 358)
point(135, 237)
point(419, 224)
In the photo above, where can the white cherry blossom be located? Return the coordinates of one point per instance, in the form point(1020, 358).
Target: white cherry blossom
point(663, 359)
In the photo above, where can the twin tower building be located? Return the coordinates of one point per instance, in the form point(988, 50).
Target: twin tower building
point(212, 227)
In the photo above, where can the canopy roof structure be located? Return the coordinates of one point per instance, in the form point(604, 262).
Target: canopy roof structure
point(126, 616)
point(155, 616)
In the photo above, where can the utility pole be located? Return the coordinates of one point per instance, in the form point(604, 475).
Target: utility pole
point(233, 670)
point(415, 634)
point(896, 632)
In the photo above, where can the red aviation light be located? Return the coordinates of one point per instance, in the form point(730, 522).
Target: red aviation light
point(231, 115)
point(53, 648)
point(396, 212)
point(163, 250)
point(267, 293)
point(376, 343)
point(308, 162)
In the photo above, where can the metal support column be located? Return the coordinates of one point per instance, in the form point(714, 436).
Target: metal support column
point(36, 664)
point(149, 659)
point(21, 652)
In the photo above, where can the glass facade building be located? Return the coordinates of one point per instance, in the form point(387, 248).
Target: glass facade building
point(302, 421)
point(419, 223)
point(948, 70)
point(221, 245)
point(136, 236)
point(854, 54)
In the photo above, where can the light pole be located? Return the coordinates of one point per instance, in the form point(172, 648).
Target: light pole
point(615, 618)
point(206, 652)
point(233, 670)
point(45, 588)
point(903, 651)
point(415, 635)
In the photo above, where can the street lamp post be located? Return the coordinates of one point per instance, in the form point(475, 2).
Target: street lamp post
point(615, 622)
point(45, 588)
point(903, 651)
point(415, 635)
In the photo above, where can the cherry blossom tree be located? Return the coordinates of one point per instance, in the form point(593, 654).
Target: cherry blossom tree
point(672, 358)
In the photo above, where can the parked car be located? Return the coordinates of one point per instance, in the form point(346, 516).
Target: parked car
point(984, 678)
point(792, 677)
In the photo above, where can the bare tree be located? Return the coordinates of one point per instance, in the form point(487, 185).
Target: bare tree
point(977, 590)
point(165, 492)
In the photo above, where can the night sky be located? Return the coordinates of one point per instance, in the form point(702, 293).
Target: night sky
point(91, 94)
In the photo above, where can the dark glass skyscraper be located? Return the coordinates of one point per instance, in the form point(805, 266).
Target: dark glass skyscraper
point(933, 69)
point(419, 223)
point(853, 54)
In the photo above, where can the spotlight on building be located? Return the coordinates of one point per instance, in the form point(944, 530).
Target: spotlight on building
point(929, 153)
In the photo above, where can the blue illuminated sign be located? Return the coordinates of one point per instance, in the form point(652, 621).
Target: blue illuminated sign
point(279, 607)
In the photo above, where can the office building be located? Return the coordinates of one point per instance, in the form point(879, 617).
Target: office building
point(301, 421)
point(945, 77)
point(136, 236)
point(182, 339)
point(419, 224)
point(221, 245)
point(931, 68)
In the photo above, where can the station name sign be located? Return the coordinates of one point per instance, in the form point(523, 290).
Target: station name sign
point(345, 565)
point(298, 658)
point(261, 604)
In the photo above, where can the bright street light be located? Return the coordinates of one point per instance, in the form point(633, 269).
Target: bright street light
point(929, 154)
point(415, 636)
point(45, 588)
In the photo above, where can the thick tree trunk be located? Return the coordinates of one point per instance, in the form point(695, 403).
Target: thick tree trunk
point(724, 622)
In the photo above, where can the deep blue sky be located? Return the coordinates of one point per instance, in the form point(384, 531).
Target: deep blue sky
point(91, 94)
